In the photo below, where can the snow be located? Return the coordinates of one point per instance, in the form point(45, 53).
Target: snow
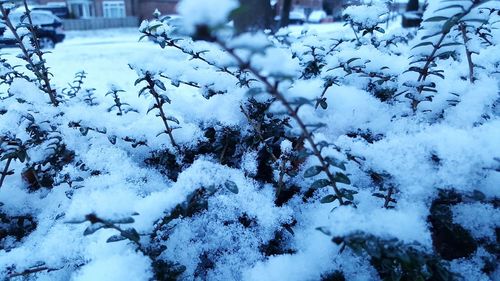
point(480, 219)
point(418, 150)
point(109, 266)
point(205, 12)
point(366, 15)
point(276, 62)
point(317, 16)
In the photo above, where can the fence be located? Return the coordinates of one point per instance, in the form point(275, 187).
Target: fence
point(100, 23)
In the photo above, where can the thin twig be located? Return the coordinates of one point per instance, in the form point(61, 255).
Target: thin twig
point(293, 113)
point(32, 270)
point(188, 83)
point(5, 171)
point(318, 101)
point(355, 34)
point(430, 59)
point(42, 75)
point(194, 55)
point(257, 130)
point(388, 198)
point(159, 104)
point(468, 53)
point(457, 19)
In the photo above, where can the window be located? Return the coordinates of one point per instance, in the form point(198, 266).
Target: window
point(113, 9)
point(81, 9)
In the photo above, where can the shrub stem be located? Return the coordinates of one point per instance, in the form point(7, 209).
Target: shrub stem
point(293, 113)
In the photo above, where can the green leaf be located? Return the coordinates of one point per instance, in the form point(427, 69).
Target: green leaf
point(320, 183)
point(131, 234)
point(152, 107)
point(336, 163)
point(478, 195)
point(427, 43)
point(289, 229)
point(115, 238)
point(93, 228)
point(342, 178)
point(483, 21)
point(348, 193)
point(431, 35)
point(348, 196)
point(450, 7)
point(7, 156)
point(351, 60)
point(304, 154)
point(450, 44)
point(165, 98)
point(445, 54)
point(160, 133)
point(112, 139)
point(328, 199)
point(300, 101)
point(76, 221)
point(379, 29)
point(173, 119)
point(436, 18)
point(21, 155)
point(448, 25)
point(143, 90)
point(155, 26)
point(139, 81)
point(323, 104)
point(231, 186)
point(254, 91)
point(84, 131)
point(160, 85)
point(123, 220)
point(324, 230)
point(313, 171)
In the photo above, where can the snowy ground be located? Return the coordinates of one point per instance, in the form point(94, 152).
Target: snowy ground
point(105, 54)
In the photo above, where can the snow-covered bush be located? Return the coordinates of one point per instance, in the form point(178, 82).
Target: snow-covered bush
point(368, 155)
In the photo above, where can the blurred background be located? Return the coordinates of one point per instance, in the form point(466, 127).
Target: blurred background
point(81, 34)
point(271, 14)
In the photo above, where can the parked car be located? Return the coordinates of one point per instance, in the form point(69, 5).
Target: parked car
point(61, 11)
point(317, 16)
point(48, 29)
point(296, 18)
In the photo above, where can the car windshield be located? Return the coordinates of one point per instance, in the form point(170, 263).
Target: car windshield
point(38, 18)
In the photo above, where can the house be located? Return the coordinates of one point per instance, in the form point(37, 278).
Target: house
point(331, 7)
point(334, 8)
point(145, 8)
point(114, 8)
